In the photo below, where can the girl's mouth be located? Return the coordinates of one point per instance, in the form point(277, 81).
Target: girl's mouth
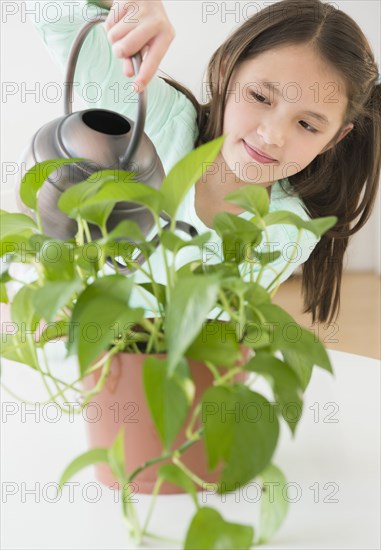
point(256, 155)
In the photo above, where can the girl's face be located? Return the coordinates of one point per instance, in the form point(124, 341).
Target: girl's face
point(280, 121)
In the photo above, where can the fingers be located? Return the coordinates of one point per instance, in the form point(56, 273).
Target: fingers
point(151, 62)
point(128, 68)
point(143, 39)
point(146, 29)
point(115, 14)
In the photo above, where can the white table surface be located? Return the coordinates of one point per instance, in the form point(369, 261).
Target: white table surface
point(333, 465)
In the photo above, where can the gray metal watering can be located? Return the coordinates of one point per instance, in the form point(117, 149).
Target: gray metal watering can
point(107, 140)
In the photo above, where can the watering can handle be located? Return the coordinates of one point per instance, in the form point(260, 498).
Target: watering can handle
point(138, 127)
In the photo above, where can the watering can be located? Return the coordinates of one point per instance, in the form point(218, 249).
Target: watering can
point(107, 140)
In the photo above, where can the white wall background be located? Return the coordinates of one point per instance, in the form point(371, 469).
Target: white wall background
point(27, 65)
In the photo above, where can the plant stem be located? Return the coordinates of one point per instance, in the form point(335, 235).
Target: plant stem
point(286, 266)
point(79, 235)
point(99, 385)
point(226, 305)
point(130, 517)
point(167, 455)
point(155, 492)
point(38, 219)
point(197, 480)
point(226, 377)
point(168, 286)
point(86, 230)
point(32, 348)
point(106, 362)
point(153, 282)
point(49, 374)
point(213, 370)
point(192, 421)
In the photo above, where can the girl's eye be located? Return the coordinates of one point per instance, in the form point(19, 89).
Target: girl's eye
point(257, 97)
point(262, 99)
point(313, 130)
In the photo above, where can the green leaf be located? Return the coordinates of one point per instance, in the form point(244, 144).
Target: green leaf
point(125, 240)
point(274, 506)
point(5, 277)
point(82, 461)
point(116, 458)
point(15, 347)
point(217, 342)
point(186, 173)
point(36, 176)
point(265, 258)
point(257, 333)
point(54, 331)
point(97, 214)
point(3, 294)
point(318, 226)
point(20, 345)
point(101, 308)
point(56, 258)
point(191, 300)
point(53, 296)
point(238, 236)
point(237, 419)
point(300, 364)
point(72, 199)
point(23, 312)
point(174, 243)
point(252, 198)
point(209, 531)
point(226, 223)
point(168, 396)
point(286, 385)
point(228, 272)
point(126, 229)
point(157, 290)
point(16, 245)
point(173, 474)
point(117, 190)
point(16, 224)
point(301, 345)
point(255, 294)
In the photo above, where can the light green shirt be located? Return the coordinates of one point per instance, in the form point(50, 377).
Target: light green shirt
point(171, 126)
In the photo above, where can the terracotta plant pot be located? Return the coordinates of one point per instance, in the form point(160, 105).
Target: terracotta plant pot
point(122, 403)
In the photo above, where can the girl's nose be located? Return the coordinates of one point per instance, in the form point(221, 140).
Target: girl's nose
point(272, 132)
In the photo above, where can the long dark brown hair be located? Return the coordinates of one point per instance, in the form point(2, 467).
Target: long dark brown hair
point(343, 181)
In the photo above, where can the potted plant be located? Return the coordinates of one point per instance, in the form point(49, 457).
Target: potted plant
point(214, 325)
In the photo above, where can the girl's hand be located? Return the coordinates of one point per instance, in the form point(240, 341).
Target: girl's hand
point(141, 25)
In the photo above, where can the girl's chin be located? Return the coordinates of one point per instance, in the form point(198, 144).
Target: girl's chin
point(245, 171)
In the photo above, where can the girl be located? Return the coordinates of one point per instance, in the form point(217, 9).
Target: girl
point(296, 91)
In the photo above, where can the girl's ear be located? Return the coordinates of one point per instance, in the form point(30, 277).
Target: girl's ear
point(342, 134)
